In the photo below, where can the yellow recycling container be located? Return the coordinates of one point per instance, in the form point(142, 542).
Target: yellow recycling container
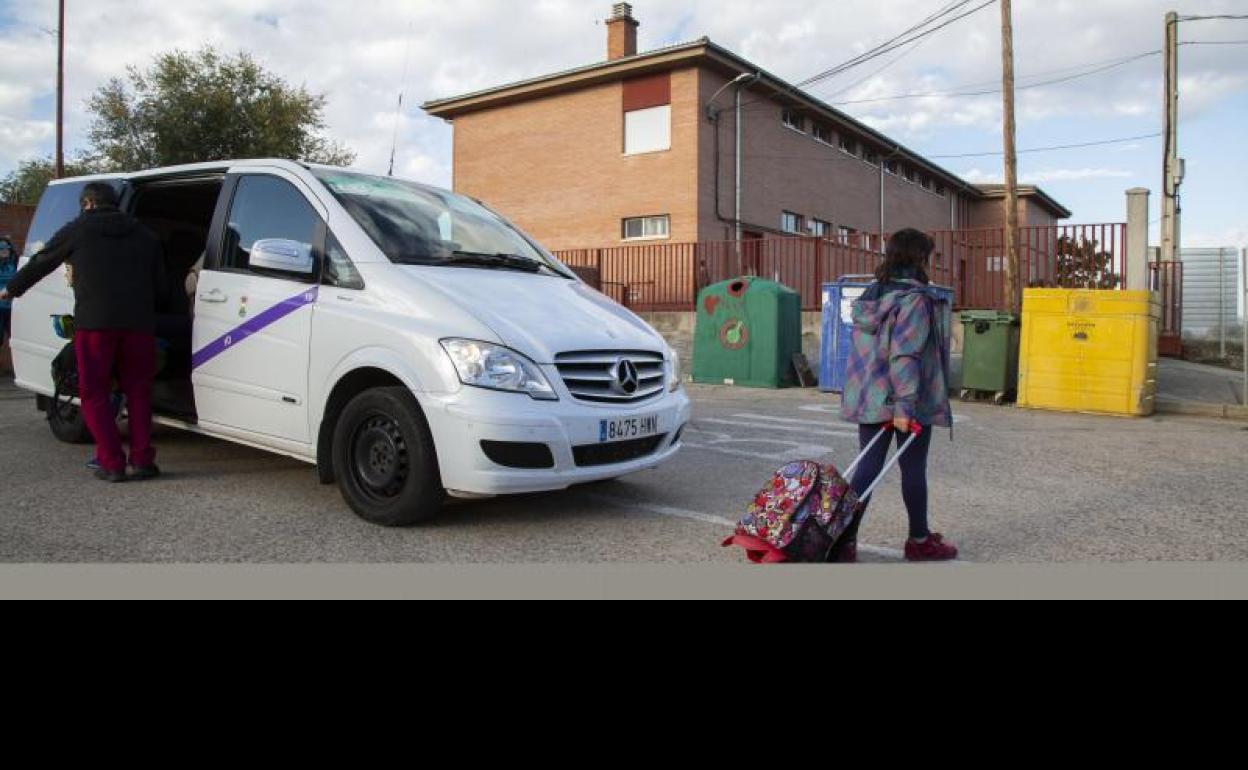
point(1090, 351)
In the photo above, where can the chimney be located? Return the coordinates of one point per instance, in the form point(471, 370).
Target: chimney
point(621, 32)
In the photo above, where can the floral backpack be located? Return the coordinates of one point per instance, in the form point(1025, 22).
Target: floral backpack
point(802, 513)
point(798, 517)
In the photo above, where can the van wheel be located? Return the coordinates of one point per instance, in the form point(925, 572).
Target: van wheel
point(66, 420)
point(385, 460)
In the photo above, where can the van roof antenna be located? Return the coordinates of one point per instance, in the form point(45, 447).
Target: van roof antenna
point(398, 113)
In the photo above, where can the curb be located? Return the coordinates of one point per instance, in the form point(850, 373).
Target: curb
point(1195, 409)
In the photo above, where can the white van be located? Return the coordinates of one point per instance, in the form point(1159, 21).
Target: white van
point(406, 340)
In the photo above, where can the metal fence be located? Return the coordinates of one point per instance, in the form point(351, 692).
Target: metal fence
point(1166, 278)
point(668, 276)
point(1211, 293)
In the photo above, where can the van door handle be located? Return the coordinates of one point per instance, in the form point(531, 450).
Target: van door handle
point(214, 297)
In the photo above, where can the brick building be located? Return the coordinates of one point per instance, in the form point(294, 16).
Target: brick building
point(15, 223)
point(632, 150)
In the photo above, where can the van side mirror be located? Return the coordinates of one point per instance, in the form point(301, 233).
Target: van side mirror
point(283, 256)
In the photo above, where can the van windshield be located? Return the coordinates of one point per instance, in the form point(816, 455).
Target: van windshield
point(416, 225)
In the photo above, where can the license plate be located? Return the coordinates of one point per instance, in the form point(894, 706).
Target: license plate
point(628, 429)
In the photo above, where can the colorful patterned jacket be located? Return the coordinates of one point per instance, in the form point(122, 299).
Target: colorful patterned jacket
point(899, 361)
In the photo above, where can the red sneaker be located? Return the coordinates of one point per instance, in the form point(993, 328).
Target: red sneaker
point(848, 554)
point(935, 549)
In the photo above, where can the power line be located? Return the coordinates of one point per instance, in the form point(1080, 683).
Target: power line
point(1115, 64)
point(842, 157)
point(957, 91)
point(896, 43)
point(1104, 143)
point(883, 49)
point(1224, 17)
point(919, 44)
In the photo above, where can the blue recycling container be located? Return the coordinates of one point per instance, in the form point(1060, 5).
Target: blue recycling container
point(838, 327)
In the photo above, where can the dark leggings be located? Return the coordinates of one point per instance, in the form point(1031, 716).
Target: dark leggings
point(913, 477)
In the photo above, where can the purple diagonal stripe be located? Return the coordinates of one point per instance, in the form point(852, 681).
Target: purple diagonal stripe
point(256, 325)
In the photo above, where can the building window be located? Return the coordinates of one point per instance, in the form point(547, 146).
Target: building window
point(893, 167)
point(848, 145)
point(823, 133)
point(926, 182)
point(911, 174)
point(941, 190)
point(820, 229)
point(872, 157)
point(647, 131)
point(647, 228)
point(792, 223)
point(794, 120)
point(846, 235)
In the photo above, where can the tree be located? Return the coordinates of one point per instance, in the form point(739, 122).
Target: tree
point(202, 106)
point(1082, 264)
point(26, 184)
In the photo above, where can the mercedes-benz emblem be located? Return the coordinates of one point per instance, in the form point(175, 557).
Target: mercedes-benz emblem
point(627, 377)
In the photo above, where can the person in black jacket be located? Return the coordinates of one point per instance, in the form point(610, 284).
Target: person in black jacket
point(118, 279)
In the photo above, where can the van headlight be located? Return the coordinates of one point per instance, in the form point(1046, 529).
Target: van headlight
point(673, 374)
point(493, 367)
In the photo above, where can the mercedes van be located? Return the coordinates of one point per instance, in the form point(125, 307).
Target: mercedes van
point(408, 341)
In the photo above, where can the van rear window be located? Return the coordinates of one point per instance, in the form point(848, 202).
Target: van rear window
point(57, 208)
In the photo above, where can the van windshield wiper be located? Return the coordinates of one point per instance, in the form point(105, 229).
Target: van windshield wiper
point(503, 261)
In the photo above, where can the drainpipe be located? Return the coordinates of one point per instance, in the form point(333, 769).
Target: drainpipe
point(884, 164)
point(741, 83)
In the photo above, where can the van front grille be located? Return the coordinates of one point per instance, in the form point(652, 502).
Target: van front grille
point(625, 377)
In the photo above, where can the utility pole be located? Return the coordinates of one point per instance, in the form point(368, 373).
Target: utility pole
point(1013, 289)
point(1170, 232)
point(60, 93)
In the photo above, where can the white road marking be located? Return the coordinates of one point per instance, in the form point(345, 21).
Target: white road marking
point(958, 419)
point(706, 518)
point(765, 418)
point(788, 450)
point(809, 431)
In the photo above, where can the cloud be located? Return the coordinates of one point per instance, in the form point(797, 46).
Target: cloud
point(355, 53)
point(1233, 236)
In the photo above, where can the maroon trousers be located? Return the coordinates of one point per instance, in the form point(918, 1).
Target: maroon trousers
point(132, 356)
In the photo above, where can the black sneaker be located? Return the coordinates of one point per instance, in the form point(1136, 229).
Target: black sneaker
point(145, 474)
point(110, 477)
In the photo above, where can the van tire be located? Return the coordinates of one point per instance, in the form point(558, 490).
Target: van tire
point(385, 459)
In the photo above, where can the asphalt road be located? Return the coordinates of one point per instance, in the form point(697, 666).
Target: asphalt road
point(1014, 486)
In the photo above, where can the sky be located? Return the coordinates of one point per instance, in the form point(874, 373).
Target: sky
point(362, 54)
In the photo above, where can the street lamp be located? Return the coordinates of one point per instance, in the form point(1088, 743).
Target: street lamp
point(739, 83)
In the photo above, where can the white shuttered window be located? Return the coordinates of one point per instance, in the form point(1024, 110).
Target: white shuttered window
point(648, 130)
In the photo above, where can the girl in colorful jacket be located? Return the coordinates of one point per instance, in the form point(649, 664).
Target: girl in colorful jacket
point(898, 377)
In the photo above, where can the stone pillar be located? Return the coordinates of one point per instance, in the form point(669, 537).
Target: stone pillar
point(1137, 239)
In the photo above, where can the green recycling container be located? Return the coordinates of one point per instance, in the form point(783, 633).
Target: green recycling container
point(748, 332)
point(990, 354)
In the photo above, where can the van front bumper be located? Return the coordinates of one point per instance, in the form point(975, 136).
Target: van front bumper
point(461, 423)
